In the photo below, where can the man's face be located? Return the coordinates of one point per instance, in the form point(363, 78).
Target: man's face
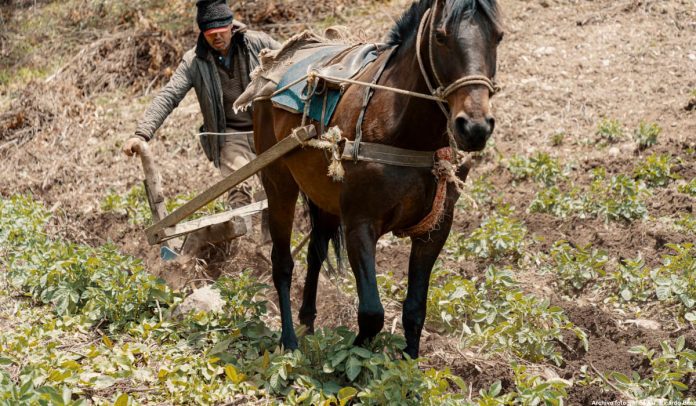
point(220, 38)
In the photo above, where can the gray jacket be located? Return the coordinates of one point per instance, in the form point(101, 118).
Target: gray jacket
point(197, 70)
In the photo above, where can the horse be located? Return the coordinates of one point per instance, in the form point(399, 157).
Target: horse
point(451, 44)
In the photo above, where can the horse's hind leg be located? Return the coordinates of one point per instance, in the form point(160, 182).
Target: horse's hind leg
point(361, 241)
point(324, 227)
point(424, 253)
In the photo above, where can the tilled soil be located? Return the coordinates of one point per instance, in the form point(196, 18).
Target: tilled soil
point(564, 65)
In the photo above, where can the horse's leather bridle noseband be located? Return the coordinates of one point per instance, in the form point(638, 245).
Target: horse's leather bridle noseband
point(442, 91)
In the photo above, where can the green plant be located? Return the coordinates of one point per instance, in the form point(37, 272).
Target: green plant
point(632, 281)
point(675, 280)
point(498, 236)
point(479, 192)
point(494, 314)
point(617, 198)
point(646, 134)
point(133, 204)
point(541, 167)
point(687, 222)
point(609, 131)
point(669, 371)
point(534, 390)
point(576, 267)
point(553, 201)
point(656, 170)
point(688, 188)
point(558, 138)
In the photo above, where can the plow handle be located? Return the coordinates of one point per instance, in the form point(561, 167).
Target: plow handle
point(153, 182)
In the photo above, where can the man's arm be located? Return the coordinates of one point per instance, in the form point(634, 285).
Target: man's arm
point(166, 101)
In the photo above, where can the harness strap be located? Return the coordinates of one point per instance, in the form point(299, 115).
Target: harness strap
point(386, 154)
point(369, 91)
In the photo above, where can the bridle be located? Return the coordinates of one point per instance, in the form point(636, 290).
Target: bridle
point(443, 91)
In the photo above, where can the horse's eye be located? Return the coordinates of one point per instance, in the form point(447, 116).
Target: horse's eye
point(500, 37)
point(440, 37)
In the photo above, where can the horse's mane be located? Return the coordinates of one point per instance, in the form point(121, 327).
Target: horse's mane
point(406, 27)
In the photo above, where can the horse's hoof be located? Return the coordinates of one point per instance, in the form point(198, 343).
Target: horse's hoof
point(361, 340)
point(289, 344)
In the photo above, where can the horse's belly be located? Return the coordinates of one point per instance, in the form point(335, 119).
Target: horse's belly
point(309, 168)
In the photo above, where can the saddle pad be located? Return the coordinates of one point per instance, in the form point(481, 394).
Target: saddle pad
point(291, 99)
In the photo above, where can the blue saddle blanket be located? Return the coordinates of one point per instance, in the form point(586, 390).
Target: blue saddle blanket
point(292, 98)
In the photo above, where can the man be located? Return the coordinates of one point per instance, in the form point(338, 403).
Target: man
point(218, 69)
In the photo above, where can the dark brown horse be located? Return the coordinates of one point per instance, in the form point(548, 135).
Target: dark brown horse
point(457, 41)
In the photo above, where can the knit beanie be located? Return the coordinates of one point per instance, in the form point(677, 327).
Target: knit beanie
point(213, 14)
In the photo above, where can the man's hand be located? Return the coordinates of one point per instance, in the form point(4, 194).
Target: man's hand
point(130, 147)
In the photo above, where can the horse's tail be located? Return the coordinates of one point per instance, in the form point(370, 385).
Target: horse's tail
point(325, 226)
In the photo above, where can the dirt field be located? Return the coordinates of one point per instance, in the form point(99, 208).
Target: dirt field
point(565, 66)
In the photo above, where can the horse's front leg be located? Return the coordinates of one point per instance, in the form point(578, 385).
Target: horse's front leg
point(424, 253)
point(361, 241)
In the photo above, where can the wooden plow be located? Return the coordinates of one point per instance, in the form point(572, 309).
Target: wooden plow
point(168, 227)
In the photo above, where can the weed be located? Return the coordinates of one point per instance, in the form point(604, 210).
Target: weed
point(646, 134)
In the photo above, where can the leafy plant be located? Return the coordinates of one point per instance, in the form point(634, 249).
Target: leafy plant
point(494, 314)
point(534, 390)
point(687, 222)
point(498, 236)
point(656, 170)
point(609, 131)
point(558, 138)
point(617, 198)
point(670, 370)
point(133, 204)
point(646, 134)
point(632, 280)
point(675, 280)
point(576, 267)
point(688, 188)
point(553, 201)
point(541, 168)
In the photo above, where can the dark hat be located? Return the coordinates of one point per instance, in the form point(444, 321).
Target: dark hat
point(213, 14)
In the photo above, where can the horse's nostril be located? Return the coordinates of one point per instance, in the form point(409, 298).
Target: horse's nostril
point(491, 123)
point(461, 122)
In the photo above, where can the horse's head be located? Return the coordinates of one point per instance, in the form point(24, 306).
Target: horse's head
point(459, 48)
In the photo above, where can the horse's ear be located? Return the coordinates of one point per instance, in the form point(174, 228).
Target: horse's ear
point(438, 7)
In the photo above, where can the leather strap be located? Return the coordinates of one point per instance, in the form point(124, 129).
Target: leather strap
point(386, 154)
